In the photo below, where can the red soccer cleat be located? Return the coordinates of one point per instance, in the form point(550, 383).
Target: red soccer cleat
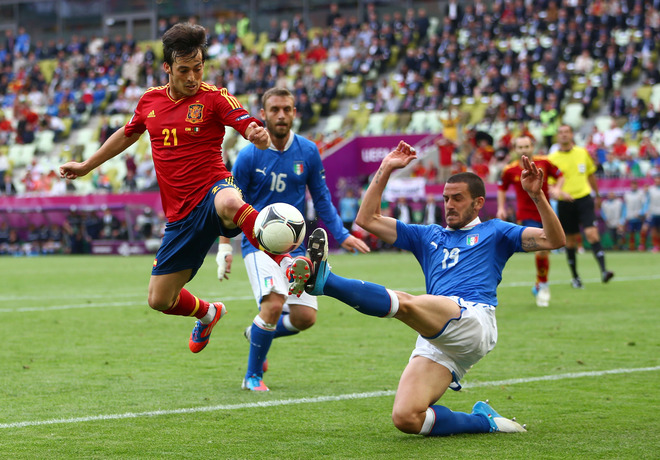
point(202, 332)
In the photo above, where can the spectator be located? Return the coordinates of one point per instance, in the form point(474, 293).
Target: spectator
point(110, 226)
point(610, 211)
point(446, 150)
point(632, 215)
point(402, 210)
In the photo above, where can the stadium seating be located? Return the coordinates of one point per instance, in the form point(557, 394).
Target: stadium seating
point(417, 123)
point(573, 115)
point(44, 141)
point(333, 124)
point(376, 124)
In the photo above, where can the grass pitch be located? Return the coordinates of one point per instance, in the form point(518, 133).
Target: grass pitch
point(89, 371)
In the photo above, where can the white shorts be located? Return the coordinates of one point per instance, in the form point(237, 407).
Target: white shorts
point(267, 276)
point(463, 342)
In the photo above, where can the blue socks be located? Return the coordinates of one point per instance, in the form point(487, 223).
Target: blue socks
point(448, 422)
point(368, 298)
point(260, 341)
point(284, 326)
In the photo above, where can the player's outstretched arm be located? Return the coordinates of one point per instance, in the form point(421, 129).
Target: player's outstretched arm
point(369, 216)
point(551, 236)
point(115, 144)
point(258, 135)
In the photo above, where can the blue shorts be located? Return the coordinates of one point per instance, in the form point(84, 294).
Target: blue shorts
point(187, 241)
point(655, 222)
point(634, 225)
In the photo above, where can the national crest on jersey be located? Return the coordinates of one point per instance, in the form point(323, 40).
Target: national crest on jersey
point(472, 239)
point(298, 167)
point(195, 113)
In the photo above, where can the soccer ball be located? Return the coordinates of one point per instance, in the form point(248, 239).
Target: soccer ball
point(279, 228)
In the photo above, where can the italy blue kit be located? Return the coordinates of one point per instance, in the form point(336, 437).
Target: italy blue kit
point(270, 176)
point(467, 263)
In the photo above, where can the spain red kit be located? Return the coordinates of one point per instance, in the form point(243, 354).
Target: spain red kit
point(525, 207)
point(186, 140)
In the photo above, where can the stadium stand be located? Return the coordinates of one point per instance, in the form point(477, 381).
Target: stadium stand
point(495, 68)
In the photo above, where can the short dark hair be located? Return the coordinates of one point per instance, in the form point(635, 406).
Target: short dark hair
point(276, 91)
point(475, 185)
point(184, 40)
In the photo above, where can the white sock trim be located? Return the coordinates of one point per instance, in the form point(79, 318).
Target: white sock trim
point(428, 422)
point(263, 324)
point(394, 301)
point(208, 317)
point(286, 322)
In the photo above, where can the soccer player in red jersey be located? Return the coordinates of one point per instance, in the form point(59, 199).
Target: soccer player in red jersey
point(186, 121)
point(526, 211)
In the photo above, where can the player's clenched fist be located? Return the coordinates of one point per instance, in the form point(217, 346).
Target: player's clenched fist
point(258, 135)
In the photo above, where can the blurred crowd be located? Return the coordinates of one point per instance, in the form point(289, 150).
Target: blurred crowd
point(76, 233)
point(529, 59)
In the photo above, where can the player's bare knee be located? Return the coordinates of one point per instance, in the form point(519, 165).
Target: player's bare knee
point(227, 203)
point(406, 421)
point(159, 302)
point(303, 323)
point(271, 311)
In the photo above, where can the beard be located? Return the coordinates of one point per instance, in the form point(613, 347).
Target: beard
point(466, 218)
point(279, 131)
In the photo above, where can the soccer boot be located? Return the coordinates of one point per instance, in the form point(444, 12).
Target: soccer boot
point(576, 283)
point(202, 332)
point(254, 383)
point(606, 276)
point(497, 422)
point(298, 272)
point(247, 333)
point(543, 295)
point(317, 250)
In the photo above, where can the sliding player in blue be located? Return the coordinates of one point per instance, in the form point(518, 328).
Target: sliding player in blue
point(462, 264)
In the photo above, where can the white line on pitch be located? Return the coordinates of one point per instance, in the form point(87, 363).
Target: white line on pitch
point(142, 298)
point(318, 399)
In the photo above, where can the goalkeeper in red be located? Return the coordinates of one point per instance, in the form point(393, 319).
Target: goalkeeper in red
point(186, 122)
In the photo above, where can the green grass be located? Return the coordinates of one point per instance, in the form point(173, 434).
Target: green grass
point(78, 344)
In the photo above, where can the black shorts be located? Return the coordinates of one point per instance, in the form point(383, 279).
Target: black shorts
point(576, 214)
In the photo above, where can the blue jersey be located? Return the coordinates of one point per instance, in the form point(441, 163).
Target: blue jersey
point(465, 263)
point(270, 176)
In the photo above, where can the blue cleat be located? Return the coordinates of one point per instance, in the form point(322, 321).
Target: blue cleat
point(317, 251)
point(254, 383)
point(497, 422)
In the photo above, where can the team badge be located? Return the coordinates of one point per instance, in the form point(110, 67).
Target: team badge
point(195, 113)
point(472, 239)
point(268, 282)
point(298, 167)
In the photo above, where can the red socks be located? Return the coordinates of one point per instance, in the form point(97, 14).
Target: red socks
point(245, 218)
point(188, 305)
point(542, 268)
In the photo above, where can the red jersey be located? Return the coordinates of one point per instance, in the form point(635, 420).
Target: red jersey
point(186, 141)
point(525, 207)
